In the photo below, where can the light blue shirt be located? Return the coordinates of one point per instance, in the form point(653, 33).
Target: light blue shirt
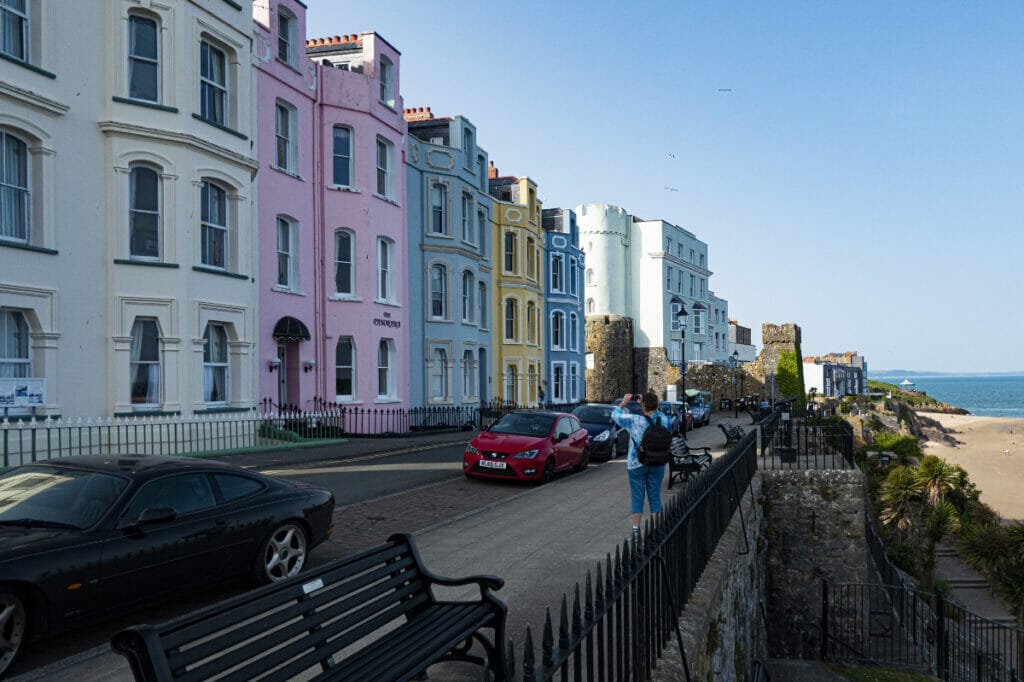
point(635, 424)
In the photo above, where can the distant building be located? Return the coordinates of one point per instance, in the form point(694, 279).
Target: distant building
point(850, 358)
point(563, 306)
point(740, 342)
point(450, 261)
point(518, 299)
point(833, 380)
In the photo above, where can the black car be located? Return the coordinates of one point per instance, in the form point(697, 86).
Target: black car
point(607, 439)
point(84, 537)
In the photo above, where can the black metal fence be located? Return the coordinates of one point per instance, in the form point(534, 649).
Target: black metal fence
point(900, 626)
point(334, 420)
point(628, 609)
point(791, 442)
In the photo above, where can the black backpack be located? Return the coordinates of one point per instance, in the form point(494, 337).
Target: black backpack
point(656, 446)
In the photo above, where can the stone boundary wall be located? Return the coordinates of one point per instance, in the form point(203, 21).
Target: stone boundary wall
point(723, 629)
point(814, 529)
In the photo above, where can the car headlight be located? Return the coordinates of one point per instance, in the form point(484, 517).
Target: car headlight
point(604, 435)
point(526, 454)
point(470, 450)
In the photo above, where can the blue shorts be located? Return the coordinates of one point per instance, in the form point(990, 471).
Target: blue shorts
point(645, 480)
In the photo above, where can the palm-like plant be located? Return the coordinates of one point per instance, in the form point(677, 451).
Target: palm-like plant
point(937, 478)
point(940, 520)
point(982, 546)
point(900, 495)
point(1015, 533)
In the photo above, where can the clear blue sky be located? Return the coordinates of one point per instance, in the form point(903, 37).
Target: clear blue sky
point(864, 177)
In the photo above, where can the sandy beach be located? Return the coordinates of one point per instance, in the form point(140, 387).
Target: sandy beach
point(992, 453)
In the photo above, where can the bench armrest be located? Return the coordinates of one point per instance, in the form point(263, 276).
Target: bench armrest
point(486, 582)
point(141, 646)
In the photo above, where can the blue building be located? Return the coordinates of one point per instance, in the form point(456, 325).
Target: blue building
point(449, 261)
point(563, 307)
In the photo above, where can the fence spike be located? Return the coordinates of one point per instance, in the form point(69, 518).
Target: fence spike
point(618, 568)
point(563, 625)
point(577, 618)
point(588, 598)
point(529, 662)
point(547, 645)
point(510, 660)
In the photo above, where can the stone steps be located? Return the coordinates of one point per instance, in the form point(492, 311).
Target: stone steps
point(969, 584)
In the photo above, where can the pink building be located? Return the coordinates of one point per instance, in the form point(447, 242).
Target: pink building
point(333, 258)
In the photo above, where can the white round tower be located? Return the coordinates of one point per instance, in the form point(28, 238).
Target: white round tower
point(605, 237)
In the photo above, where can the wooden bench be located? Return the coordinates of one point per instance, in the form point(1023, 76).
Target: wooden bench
point(685, 462)
point(733, 434)
point(371, 616)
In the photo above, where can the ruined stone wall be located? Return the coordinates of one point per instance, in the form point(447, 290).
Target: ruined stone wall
point(654, 371)
point(609, 338)
point(777, 339)
point(723, 631)
point(814, 529)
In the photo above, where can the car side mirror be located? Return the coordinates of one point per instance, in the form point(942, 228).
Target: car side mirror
point(154, 515)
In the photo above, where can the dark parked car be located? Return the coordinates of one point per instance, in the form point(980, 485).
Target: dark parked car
point(528, 446)
point(679, 422)
point(84, 537)
point(607, 439)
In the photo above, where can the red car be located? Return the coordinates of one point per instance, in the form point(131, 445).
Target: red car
point(528, 446)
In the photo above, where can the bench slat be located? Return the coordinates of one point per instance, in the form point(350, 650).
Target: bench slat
point(261, 657)
point(228, 635)
point(442, 629)
point(201, 623)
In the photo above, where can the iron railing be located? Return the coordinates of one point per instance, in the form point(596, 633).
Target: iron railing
point(789, 442)
point(901, 626)
point(628, 609)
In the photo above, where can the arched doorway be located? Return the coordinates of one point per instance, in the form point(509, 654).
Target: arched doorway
point(289, 333)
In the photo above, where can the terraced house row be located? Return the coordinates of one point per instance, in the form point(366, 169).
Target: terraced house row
point(207, 211)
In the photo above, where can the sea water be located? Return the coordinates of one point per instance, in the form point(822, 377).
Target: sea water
point(981, 395)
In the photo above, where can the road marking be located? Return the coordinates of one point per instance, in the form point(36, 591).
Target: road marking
point(363, 458)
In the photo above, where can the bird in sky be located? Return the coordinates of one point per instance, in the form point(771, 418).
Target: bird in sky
point(725, 89)
point(672, 155)
point(671, 189)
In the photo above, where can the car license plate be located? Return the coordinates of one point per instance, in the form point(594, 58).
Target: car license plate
point(488, 464)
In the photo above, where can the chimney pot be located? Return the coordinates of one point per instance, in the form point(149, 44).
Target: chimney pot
point(337, 39)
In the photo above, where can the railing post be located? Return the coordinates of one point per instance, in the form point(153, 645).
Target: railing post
point(941, 645)
point(824, 620)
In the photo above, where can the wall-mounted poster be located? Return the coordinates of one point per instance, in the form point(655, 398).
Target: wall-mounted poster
point(22, 392)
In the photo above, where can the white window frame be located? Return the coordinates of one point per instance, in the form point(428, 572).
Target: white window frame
point(138, 363)
point(531, 322)
point(385, 157)
point(290, 253)
point(134, 59)
point(531, 258)
point(439, 380)
point(558, 380)
point(210, 87)
point(387, 81)
point(439, 223)
point(347, 156)
point(558, 330)
point(509, 248)
point(14, 144)
point(134, 212)
point(574, 270)
point(287, 25)
point(385, 270)
point(468, 294)
point(466, 206)
point(15, 345)
point(510, 377)
point(216, 365)
point(437, 287)
point(210, 230)
point(286, 148)
point(557, 276)
point(482, 307)
point(699, 321)
point(386, 370)
point(339, 262)
point(350, 368)
point(9, 14)
point(574, 381)
point(574, 331)
point(469, 367)
point(481, 228)
point(510, 312)
point(590, 306)
point(590, 277)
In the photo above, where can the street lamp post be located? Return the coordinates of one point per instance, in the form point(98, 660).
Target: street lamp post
point(734, 362)
point(682, 315)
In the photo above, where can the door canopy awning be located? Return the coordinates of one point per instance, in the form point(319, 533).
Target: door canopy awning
point(290, 329)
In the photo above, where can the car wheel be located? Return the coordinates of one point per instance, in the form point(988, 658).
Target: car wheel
point(614, 452)
point(549, 470)
point(282, 555)
point(13, 627)
point(584, 460)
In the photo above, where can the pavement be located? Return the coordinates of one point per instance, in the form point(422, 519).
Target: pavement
point(541, 540)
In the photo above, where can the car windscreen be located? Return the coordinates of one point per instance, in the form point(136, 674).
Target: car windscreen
point(42, 495)
point(524, 424)
point(595, 414)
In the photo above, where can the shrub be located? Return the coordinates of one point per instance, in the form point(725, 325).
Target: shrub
point(905, 447)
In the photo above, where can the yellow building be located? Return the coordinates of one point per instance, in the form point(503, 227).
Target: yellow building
point(517, 286)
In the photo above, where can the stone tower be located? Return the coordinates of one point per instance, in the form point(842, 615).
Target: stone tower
point(610, 346)
point(781, 341)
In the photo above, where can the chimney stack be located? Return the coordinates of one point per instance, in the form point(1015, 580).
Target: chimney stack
point(417, 114)
point(492, 172)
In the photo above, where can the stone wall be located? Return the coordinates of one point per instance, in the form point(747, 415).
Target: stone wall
point(719, 380)
point(653, 371)
point(814, 529)
point(609, 338)
point(723, 631)
point(777, 338)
